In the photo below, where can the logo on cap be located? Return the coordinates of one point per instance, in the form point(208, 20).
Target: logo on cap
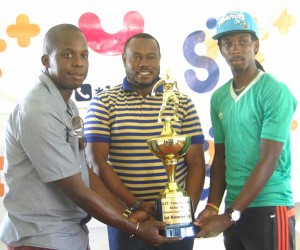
point(238, 18)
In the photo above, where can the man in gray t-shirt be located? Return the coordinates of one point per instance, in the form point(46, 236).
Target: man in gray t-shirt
point(50, 191)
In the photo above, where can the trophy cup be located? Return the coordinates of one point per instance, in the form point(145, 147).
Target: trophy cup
point(173, 206)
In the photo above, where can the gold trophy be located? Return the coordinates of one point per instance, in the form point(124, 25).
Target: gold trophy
point(174, 206)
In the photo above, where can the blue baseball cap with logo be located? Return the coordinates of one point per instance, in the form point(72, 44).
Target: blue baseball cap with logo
point(235, 21)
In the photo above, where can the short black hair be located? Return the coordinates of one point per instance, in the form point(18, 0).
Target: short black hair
point(53, 33)
point(141, 35)
point(253, 38)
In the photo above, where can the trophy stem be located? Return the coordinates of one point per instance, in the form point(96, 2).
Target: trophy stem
point(170, 165)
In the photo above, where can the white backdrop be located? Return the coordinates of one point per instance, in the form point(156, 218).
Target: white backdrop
point(184, 30)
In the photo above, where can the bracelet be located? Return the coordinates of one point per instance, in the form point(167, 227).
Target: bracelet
point(136, 228)
point(213, 206)
point(136, 206)
point(127, 213)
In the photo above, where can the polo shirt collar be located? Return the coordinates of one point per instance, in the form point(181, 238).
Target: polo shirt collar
point(44, 78)
point(126, 86)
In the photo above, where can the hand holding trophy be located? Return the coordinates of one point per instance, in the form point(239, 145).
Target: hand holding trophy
point(173, 206)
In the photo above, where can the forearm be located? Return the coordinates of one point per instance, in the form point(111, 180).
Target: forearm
point(97, 155)
point(105, 211)
point(98, 204)
point(253, 186)
point(117, 187)
point(194, 185)
point(195, 172)
point(97, 185)
point(217, 185)
point(269, 154)
point(217, 176)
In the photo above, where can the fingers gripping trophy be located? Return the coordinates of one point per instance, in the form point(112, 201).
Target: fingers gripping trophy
point(173, 206)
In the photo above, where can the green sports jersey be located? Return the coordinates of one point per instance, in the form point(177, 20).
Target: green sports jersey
point(263, 110)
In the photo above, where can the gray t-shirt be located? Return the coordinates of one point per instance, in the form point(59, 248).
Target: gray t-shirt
point(40, 149)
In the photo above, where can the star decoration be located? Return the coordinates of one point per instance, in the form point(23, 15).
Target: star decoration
point(284, 22)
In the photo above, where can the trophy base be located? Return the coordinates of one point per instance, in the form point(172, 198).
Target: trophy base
point(178, 216)
point(180, 231)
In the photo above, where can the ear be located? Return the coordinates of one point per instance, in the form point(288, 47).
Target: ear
point(123, 58)
point(221, 51)
point(256, 47)
point(45, 61)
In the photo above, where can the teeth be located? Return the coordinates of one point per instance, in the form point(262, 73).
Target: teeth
point(144, 73)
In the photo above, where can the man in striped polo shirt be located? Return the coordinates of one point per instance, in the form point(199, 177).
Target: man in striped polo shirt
point(118, 124)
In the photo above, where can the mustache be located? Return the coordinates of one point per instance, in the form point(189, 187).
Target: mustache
point(236, 58)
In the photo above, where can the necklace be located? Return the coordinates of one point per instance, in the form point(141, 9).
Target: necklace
point(239, 90)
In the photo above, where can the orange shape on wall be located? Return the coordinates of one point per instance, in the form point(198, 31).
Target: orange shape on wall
point(23, 30)
point(2, 45)
point(294, 125)
point(2, 48)
point(1, 184)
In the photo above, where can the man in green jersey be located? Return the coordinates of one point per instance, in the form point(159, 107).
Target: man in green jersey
point(251, 116)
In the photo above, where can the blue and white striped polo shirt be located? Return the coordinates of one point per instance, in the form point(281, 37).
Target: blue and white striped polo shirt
point(124, 119)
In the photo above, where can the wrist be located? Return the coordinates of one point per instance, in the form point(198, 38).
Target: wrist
point(234, 215)
point(127, 214)
point(136, 229)
point(136, 206)
point(213, 206)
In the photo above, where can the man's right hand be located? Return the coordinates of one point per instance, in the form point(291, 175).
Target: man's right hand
point(149, 232)
point(205, 213)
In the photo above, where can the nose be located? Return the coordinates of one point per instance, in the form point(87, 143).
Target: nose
point(143, 61)
point(235, 48)
point(78, 60)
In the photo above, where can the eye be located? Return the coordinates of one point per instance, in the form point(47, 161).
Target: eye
point(67, 55)
point(85, 55)
point(151, 57)
point(244, 42)
point(226, 44)
point(136, 57)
